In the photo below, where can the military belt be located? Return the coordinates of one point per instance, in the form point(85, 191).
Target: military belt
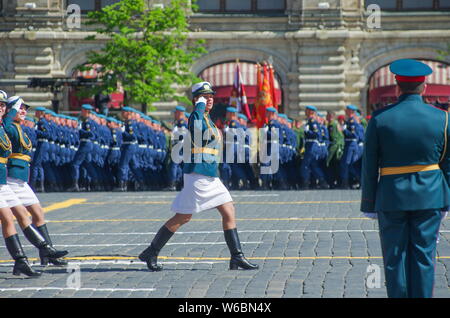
point(84, 139)
point(347, 139)
point(129, 142)
point(386, 171)
point(20, 156)
point(205, 150)
point(42, 139)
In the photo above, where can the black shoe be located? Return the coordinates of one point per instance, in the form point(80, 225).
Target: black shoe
point(45, 260)
point(237, 257)
point(150, 254)
point(21, 265)
point(45, 250)
point(323, 184)
point(74, 187)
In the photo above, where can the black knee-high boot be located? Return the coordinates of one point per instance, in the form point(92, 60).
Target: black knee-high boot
point(237, 257)
point(45, 249)
point(21, 265)
point(150, 254)
point(45, 260)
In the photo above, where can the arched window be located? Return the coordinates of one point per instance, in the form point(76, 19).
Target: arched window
point(75, 101)
point(383, 87)
point(222, 76)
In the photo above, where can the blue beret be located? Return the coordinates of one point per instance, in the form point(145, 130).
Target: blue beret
point(271, 109)
point(289, 120)
point(282, 116)
point(187, 114)
point(180, 108)
point(87, 106)
point(352, 107)
point(243, 116)
point(40, 108)
point(127, 109)
point(311, 108)
point(409, 67)
point(231, 110)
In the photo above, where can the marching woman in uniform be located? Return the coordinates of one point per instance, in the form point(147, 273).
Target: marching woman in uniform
point(18, 167)
point(203, 189)
point(8, 199)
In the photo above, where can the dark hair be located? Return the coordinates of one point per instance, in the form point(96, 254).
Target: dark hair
point(411, 87)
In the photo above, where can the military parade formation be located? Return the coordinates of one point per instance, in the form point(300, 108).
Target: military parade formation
point(132, 152)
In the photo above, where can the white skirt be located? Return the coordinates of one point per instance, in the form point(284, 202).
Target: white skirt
point(8, 199)
point(200, 193)
point(22, 191)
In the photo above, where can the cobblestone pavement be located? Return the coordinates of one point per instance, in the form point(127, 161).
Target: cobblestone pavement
point(308, 244)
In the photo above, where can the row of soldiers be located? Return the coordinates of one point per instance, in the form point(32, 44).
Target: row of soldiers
point(317, 153)
point(94, 152)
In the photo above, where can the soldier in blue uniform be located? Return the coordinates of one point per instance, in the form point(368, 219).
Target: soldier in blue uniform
point(84, 153)
point(313, 151)
point(232, 150)
point(405, 181)
point(179, 131)
point(250, 180)
point(37, 176)
point(128, 160)
point(352, 137)
point(272, 130)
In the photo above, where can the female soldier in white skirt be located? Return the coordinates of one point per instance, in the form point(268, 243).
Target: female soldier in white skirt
point(18, 167)
point(9, 199)
point(202, 190)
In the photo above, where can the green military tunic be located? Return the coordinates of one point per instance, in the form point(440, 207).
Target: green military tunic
point(336, 148)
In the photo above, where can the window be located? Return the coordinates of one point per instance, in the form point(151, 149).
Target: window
point(410, 5)
point(91, 5)
point(235, 6)
point(415, 4)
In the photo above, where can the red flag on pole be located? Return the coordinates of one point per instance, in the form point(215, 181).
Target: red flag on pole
point(238, 97)
point(272, 87)
point(264, 95)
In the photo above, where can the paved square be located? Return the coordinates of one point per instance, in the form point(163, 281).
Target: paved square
point(307, 243)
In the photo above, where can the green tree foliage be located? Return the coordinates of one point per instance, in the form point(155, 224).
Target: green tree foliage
point(147, 51)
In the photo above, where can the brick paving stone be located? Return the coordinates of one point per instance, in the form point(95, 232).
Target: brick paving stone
point(306, 257)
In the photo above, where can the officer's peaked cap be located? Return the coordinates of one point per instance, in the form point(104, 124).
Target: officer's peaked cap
point(202, 88)
point(409, 70)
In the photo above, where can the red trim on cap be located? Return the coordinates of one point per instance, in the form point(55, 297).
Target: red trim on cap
point(401, 78)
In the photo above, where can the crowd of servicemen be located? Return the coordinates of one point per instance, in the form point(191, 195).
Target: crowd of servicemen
point(94, 152)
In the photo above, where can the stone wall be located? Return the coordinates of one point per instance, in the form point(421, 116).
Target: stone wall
point(323, 57)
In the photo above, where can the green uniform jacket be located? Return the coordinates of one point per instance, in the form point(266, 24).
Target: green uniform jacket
point(407, 133)
point(336, 148)
point(205, 152)
point(19, 160)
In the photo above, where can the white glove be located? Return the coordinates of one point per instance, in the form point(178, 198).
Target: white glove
point(372, 216)
point(16, 102)
point(201, 99)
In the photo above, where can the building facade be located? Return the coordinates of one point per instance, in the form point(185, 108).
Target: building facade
point(324, 53)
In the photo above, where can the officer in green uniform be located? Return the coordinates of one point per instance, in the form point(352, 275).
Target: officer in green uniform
point(405, 182)
point(335, 150)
